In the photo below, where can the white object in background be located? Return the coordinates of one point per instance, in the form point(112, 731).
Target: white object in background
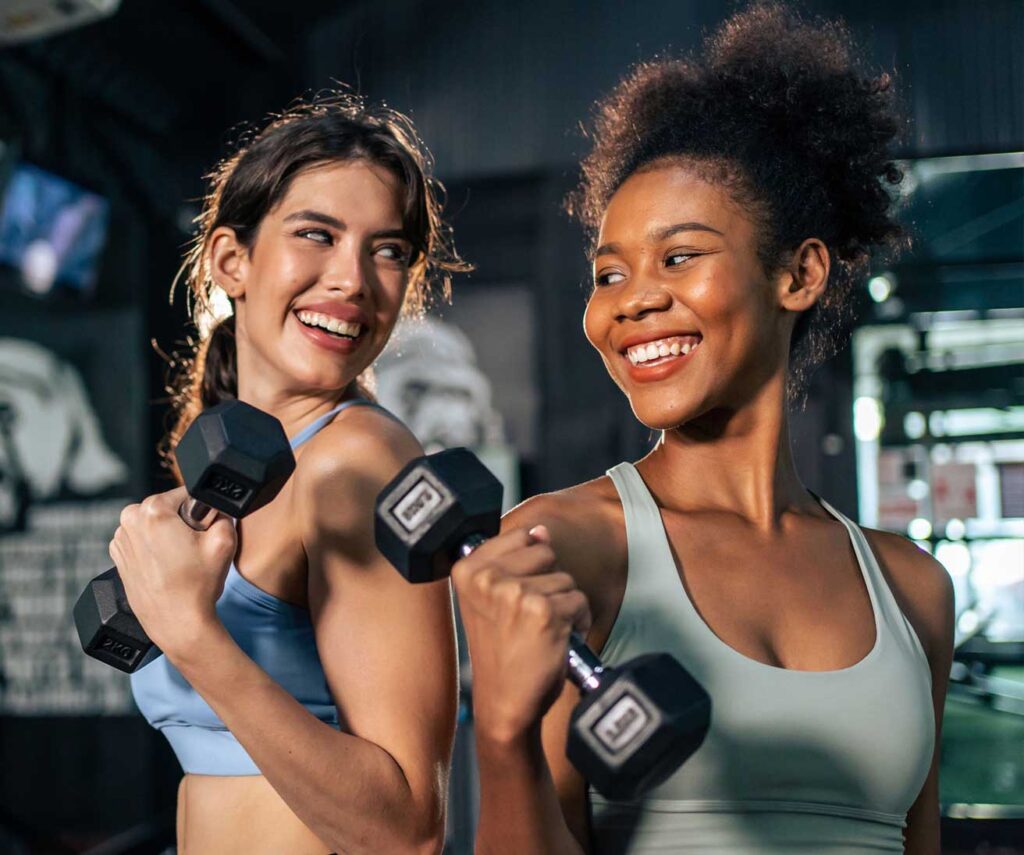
point(24, 20)
point(56, 432)
point(428, 376)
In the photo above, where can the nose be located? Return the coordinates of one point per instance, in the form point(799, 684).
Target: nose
point(641, 298)
point(347, 272)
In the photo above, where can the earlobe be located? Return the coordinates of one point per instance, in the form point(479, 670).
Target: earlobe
point(228, 262)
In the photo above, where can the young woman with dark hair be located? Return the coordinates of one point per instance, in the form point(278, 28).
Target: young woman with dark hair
point(307, 690)
point(732, 200)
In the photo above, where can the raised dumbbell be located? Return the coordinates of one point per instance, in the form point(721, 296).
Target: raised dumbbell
point(234, 458)
point(637, 722)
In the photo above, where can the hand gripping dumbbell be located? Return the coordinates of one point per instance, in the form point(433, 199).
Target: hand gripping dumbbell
point(234, 458)
point(637, 722)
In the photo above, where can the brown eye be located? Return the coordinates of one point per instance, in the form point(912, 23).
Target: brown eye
point(609, 277)
point(677, 258)
point(393, 252)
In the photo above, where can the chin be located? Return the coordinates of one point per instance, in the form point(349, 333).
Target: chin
point(670, 408)
point(662, 416)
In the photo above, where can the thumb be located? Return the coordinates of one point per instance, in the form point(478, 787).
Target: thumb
point(221, 537)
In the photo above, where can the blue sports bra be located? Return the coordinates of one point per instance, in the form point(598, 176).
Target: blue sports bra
point(278, 636)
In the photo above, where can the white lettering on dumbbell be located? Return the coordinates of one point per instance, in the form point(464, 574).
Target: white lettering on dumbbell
point(417, 504)
point(620, 723)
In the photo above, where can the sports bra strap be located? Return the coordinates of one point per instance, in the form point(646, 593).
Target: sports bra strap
point(312, 429)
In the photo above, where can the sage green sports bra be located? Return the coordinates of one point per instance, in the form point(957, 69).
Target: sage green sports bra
point(822, 762)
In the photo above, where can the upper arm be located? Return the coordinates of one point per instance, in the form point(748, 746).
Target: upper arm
point(387, 646)
point(924, 591)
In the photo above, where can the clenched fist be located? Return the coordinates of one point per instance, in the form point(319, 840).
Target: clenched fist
point(518, 610)
point(172, 574)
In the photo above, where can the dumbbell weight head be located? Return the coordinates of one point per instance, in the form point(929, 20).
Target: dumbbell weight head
point(234, 458)
point(421, 521)
point(646, 718)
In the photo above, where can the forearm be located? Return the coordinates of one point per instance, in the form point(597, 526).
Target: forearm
point(347, 790)
point(921, 836)
point(519, 806)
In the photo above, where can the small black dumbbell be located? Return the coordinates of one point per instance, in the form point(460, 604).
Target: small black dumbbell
point(234, 458)
point(637, 722)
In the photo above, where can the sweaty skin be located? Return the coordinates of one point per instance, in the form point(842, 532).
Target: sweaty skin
point(678, 258)
point(386, 647)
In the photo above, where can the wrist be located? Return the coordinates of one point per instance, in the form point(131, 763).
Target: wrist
point(505, 739)
point(194, 638)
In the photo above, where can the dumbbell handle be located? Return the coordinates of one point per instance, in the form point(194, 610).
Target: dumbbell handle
point(195, 514)
point(585, 666)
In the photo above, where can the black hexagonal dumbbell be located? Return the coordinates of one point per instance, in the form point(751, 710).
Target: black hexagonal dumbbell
point(234, 458)
point(637, 722)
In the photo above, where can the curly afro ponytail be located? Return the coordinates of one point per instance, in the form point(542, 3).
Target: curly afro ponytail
point(780, 110)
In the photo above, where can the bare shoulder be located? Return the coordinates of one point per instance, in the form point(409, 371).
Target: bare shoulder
point(587, 532)
point(921, 585)
point(575, 515)
point(340, 471)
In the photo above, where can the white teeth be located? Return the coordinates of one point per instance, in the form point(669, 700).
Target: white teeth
point(661, 349)
point(331, 324)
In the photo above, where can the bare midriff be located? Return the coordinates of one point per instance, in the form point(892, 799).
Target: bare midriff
point(239, 814)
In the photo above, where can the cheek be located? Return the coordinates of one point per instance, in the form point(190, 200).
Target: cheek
point(736, 309)
point(595, 324)
point(392, 293)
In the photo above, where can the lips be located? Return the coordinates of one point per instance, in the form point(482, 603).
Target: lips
point(654, 356)
point(342, 311)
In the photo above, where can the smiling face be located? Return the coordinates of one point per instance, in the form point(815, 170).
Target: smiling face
point(320, 290)
point(683, 313)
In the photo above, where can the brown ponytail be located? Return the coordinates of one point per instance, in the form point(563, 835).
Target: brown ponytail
point(248, 184)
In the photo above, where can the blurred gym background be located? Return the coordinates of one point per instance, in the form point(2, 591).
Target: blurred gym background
point(112, 110)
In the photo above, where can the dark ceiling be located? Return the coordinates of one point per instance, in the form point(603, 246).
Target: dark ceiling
point(179, 66)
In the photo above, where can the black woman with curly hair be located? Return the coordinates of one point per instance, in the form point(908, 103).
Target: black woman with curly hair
point(732, 200)
point(308, 692)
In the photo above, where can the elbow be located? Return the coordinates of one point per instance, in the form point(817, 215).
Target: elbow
point(429, 844)
point(403, 830)
point(427, 835)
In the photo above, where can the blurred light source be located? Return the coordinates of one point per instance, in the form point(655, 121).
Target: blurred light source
point(914, 424)
point(941, 454)
point(832, 444)
point(955, 529)
point(967, 622)
point(917, 489)
point(880, 287)
point(937, 423)
point(919, 529)
point(868, 418)
point(39, 267)
point(955, 557)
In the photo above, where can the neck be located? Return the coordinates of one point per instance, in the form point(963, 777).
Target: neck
point(732, 460)
point(262, 387)
point(293, 410)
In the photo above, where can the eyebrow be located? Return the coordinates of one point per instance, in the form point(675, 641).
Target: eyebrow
point(660, 235)
point(316, 217)
point(320, 217)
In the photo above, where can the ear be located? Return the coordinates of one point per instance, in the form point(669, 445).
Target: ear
point(803, 281)
point(229, 261)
